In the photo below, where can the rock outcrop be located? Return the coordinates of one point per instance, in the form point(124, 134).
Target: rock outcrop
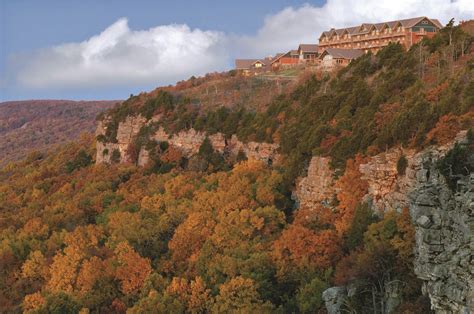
point(318, 185)
point(334, 299)
point(389, 190)
point(187, 141)
point(444, 221)
point(126, 131)
point(444, 248)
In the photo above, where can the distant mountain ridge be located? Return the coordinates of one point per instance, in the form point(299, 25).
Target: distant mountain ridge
point(40, 124)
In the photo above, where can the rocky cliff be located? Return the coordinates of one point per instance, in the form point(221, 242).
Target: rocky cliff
point(444, 248)
point(126, 132)
point(443, 220)
point(188, 142)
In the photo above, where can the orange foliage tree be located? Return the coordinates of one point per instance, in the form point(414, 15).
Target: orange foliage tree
point(132, 269)
point(300, 251)
point(351, 190)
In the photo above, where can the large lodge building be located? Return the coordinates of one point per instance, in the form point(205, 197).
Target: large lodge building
point(373, 37)
point(338, 47)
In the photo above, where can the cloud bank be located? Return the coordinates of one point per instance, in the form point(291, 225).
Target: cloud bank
point(119, 56)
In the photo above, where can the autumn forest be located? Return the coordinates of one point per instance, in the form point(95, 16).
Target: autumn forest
point(228, 236)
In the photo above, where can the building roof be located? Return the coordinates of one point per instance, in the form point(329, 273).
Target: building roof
point(340, 53)
point(366, 27)
point(308, 47)
point(244, 63)
point(280, 55)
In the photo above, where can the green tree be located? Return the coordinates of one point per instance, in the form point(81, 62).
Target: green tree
point(81, 160)
point(309, 296)
point(239, 295)
point(60, 303)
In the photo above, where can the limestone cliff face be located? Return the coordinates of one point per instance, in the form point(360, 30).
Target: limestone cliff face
point(126, 131)
point(444, 240)
point(188, 142)
point(444, 221)
point(318, 186)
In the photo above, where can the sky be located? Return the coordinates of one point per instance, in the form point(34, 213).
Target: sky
point(90, 49)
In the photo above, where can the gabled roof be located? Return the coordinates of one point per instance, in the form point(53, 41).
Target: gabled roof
point(244, 63)
point(380, 26)
point(340, 53)
point(366, 27)
point(308, 48)
point(352, 30)
point(407, 23)
point(393, 24)
point(280, 55)
point(340, 31)
point(259, 61)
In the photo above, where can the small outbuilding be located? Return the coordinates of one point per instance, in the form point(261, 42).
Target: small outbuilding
point(308, 53)
point(333, 57)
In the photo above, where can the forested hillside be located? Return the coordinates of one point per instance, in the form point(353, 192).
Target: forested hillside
point(218, 234)
point(41, 124)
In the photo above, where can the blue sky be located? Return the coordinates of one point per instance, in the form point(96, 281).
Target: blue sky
point(108, 49)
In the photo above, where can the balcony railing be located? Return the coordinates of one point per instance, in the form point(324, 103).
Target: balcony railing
point(363, 38)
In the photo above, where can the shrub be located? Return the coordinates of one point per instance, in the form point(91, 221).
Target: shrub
point(241, 156)
point(60, 303)
point(115, 158)
point(457, 163)
point(81, 160)
point(402, 165)
point(309, 297)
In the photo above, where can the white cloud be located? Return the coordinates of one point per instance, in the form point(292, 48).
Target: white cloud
point(164, 54)
point(119, 56)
